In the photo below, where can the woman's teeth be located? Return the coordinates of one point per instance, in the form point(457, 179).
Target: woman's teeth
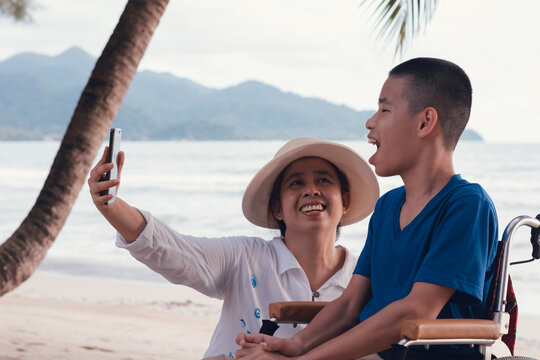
point(307, 208)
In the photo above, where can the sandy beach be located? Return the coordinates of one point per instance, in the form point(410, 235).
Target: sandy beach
point(54, 316)
point(62, 317)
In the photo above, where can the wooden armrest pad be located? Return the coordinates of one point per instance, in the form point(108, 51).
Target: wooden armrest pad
point(295, 311)
point(450, 329)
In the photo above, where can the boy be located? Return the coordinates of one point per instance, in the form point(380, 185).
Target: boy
point(430, 243)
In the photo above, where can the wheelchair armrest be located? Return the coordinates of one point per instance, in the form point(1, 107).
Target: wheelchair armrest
point(449, 329)
point(295, 311)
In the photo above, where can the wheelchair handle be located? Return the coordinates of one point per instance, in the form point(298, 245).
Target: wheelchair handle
point(508, 234)
point(535, 241)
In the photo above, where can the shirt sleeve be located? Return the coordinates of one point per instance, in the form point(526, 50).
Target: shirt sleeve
point(461, 248)
point(363, 265)
point(204, 264)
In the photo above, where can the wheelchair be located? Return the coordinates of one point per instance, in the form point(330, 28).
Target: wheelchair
point(492, 339)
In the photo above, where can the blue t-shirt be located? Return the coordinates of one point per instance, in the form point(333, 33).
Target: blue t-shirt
point(451, 242)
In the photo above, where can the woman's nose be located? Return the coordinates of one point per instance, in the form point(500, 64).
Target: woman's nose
point(311, 189)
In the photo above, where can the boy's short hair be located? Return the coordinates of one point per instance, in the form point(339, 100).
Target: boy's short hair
point(442, 85)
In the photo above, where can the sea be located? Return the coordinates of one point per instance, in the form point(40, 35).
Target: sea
point(196, 187)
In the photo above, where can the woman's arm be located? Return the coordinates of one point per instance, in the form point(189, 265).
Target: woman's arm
point(127, 220)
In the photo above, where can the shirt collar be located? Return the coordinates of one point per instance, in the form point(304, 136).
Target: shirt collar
point(342, 276)
point(286, 261)
point(285, 258)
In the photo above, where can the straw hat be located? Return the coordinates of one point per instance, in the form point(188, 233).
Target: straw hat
point(363, 185)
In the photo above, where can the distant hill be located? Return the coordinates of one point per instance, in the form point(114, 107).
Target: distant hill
point(38, 94)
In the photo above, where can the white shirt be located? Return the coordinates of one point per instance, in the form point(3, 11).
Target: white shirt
point(247, 273)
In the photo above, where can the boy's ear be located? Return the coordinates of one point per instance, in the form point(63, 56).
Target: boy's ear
point(346, 201)
point(429, 118)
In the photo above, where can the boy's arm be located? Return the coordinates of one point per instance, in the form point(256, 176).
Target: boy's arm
point(335, 318)
point(380, 331)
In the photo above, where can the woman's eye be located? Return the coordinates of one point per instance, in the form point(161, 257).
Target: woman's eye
point(324, 180)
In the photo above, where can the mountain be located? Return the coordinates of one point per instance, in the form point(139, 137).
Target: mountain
point(38, 94)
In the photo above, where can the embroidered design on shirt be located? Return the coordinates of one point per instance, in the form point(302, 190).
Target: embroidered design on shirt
point(253, 281)
point(242, 323)
point(257, 313)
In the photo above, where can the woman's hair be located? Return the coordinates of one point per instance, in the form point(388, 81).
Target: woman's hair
point(275, 196)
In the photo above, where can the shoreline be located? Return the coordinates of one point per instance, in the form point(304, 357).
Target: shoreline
point(73, 317)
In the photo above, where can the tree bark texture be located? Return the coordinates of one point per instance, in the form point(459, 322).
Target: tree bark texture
point(99, 103)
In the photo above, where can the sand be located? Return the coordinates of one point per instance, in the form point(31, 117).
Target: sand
point(54, 316)
point(63, 317)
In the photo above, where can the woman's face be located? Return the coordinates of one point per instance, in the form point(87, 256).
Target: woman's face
point(311, 198)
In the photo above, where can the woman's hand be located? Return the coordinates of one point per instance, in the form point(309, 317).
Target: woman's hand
point(97, 186)
point(127, 220)
point(259, 346)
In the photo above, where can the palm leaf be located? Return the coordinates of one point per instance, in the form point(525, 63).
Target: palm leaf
point(399, 21)
point(16, 9)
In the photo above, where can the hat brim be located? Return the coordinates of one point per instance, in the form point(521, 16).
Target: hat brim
point(363, 185)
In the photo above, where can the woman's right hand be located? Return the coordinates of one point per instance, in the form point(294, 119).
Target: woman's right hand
point(97, 186)
point(127, 220)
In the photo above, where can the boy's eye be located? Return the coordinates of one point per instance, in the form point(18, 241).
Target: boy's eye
point(324, 180)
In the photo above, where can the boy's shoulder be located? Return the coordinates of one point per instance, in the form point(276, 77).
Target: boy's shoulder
point(456, 188)
point(459, 187)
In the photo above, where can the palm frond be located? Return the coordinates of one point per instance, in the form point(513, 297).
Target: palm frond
point(400, 20)
point(16, 9)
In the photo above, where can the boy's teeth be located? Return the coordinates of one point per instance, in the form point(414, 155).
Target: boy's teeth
point(307, 208)
point(372, 141)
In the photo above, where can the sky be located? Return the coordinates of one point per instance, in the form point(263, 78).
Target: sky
point(316, 48)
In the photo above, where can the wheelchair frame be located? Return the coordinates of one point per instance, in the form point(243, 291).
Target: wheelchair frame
point(500, 316)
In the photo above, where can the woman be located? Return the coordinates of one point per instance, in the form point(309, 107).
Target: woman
point(307, 190)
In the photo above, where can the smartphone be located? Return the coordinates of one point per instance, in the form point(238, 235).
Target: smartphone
point(115, 136)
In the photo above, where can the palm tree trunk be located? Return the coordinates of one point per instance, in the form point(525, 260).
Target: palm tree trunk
point(99, 103)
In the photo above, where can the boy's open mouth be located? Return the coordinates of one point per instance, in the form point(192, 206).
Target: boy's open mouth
point(373, 142)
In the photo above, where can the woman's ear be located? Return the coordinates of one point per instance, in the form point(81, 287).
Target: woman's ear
point(346, 200)
point(429, 118)
point(276, 211)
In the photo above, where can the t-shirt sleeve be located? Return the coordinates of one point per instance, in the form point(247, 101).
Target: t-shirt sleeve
point(363, 265)
point(204, 264)
point(461, 247)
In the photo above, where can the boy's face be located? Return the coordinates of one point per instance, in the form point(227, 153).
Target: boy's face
point(311, 197)
point(392, 129)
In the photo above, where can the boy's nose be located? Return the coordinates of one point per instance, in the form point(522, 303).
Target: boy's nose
point(370, 123)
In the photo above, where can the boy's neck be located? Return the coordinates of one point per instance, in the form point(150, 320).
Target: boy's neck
point(422, 183)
